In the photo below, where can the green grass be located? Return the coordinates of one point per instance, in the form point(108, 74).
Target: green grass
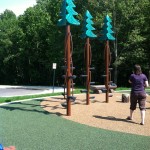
point(76, 91)
point(16, 98)
point(122, 88)
point(126, 88)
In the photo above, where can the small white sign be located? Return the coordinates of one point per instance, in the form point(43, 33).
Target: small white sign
point(54, 65)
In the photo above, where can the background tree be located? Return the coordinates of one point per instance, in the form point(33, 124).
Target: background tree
point(30, 43)
point(8, 53)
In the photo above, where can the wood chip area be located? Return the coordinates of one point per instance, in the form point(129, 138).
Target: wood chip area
point(110, 116)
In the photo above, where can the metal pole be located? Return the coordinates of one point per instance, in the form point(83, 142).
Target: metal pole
point(149, 77)
point(107, 71)
point(53, 79)
point(116, 69)
point(115, 42)
point(68, 71)
point(87, 72)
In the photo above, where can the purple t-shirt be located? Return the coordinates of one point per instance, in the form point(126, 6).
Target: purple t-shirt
point(138, 82)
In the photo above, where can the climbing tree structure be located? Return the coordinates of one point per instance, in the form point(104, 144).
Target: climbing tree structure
point(107, 36)
point(67, 13)
point(87, 34)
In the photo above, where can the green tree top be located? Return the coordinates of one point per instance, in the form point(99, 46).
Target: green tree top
point(87, 26)
point(107, 32)
point(67, 13)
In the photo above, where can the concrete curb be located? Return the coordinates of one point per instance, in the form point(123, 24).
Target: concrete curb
point(29, 87)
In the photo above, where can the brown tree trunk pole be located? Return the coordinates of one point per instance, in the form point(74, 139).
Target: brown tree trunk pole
point(68, 71)
point(107, 70)
point(87, 72)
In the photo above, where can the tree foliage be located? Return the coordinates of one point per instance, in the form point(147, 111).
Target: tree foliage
point(30, 43)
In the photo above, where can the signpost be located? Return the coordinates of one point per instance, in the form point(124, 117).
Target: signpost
point(54, 68)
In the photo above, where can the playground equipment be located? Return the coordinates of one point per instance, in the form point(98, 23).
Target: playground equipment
point(67, 13)
point(106, 36)
point(101, 88)
point(87, 33)
point(125, 97)
point(71, 71)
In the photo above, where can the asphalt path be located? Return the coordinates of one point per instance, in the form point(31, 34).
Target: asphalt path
point(8, 91)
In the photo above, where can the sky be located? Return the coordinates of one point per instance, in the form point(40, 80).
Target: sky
point(17, 6)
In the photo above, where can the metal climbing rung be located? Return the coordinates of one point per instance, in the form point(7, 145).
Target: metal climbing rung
point(104, 90)
point(65, 67)
point(63, 76)
point(110, 82)
point(113, 84)
point(72, 98)
point(64, 86)
point(72, 77)
point(92, 68)
point(92, 83)
point(83, 91)
point(110, 95)
point(104, 75)
point(64, 105)
point(64, 94)
point(92, 97)
point(83, 76)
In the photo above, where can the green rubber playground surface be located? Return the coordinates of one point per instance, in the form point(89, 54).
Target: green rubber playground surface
point(27, 126)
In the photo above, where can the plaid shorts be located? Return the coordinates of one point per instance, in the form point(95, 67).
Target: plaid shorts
point(139, 98)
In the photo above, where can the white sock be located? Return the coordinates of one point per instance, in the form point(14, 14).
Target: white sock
point(142, 116)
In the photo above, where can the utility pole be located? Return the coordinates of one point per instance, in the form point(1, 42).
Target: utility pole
point(115, 42)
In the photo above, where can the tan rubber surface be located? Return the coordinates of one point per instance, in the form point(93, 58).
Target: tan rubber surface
point(111, 116)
